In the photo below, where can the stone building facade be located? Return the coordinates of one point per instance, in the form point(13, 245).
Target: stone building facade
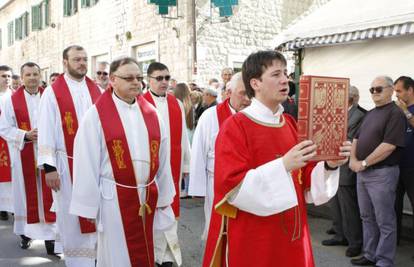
point(38, 31)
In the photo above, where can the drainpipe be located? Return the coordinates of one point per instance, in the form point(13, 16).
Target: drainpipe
point(193, 10)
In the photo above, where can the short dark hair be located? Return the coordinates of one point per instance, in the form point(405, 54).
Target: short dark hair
point(256, 64)
point(30, 65)
point(154, 66)
point(53, 74)
point(5, 68)
point(15, 77)
point(120, 62)
point(75, 47)
point(406, 81)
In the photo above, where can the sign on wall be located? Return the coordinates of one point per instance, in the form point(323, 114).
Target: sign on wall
point(145, 54)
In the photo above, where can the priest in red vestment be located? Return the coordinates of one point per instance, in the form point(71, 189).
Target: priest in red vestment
point(263, 178)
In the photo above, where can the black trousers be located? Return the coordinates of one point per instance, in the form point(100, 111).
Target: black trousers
point(405, 185)
point(351, 218)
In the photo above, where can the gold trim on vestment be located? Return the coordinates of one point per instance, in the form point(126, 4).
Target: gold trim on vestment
point(224, 207)
point(216, 259)
point(274, 125)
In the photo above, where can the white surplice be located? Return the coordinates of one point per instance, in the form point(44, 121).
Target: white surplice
point(166, 242)
point(94, 192)
point(79, 249)
point(279, 194)
point(202, 161)
point(6, 195)
point(15, 139)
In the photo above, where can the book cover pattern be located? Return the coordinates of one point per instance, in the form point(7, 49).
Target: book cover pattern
point(323, 114)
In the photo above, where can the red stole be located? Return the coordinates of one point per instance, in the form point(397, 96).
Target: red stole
point(137, 220)
point(176, 127)
point(29, 165)
point(5, 166)
point(5, 170)
point(223, 111)
point(244, 144)
point(70, 126)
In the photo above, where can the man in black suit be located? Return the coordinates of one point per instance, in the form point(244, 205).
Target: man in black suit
point(344, 206)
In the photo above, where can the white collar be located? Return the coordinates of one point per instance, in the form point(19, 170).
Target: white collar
point(258, 111)
point(121, 103)
point(68, 80)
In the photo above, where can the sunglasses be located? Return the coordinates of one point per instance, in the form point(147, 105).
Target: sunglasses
point(131, 78)
point(377, 89)
point(102, 73)
point(160, 78)
point(5, 76)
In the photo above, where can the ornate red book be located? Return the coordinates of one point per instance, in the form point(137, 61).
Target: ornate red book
point(323, 114)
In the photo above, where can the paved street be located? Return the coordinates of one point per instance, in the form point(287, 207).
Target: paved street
point(190, 230)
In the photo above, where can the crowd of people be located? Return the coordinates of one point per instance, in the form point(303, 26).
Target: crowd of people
point(96, 167)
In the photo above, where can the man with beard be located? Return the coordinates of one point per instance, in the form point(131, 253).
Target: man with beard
point(18, 124)
point(102, 72)
point(62, 107)
point(202, 150)
point(6, 197)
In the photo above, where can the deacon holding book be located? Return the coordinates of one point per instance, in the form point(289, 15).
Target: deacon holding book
point(123, 178)
point(62, 107)
point(263, 177)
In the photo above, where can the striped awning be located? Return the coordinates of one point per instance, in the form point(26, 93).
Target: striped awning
point(354, 36)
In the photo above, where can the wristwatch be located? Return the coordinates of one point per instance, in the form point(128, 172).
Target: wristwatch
point(364, 163)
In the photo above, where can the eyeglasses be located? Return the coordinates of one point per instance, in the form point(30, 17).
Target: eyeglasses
point(131, 78)
point(5, 76)
point(377, 89)
point(104, 73)
point(160, 78)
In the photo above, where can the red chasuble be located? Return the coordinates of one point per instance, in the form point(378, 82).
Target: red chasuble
point(223, 111)
point(249, 240)
point(29, 166)
point(137, 220)
point(176, 128)
point(70, 126)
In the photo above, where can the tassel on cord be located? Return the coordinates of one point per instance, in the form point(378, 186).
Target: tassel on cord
point(144, 208)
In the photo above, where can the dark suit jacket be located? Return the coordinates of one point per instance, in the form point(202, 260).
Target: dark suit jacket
point(355, 116)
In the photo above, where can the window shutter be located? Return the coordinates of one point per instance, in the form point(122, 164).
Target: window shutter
point(25, 24)
point(67, 7)
point(10, 33)
point(46, 12)
point(18, 28)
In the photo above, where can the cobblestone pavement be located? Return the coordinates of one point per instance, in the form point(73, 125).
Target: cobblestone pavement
point(189, 232)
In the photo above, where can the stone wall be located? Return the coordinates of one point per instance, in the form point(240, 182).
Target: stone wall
point(113, 28)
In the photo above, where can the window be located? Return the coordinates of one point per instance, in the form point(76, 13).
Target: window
point(21, 26)
point(40, 15)
point(88, 3)
point(70, 7)
point(10, 31)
